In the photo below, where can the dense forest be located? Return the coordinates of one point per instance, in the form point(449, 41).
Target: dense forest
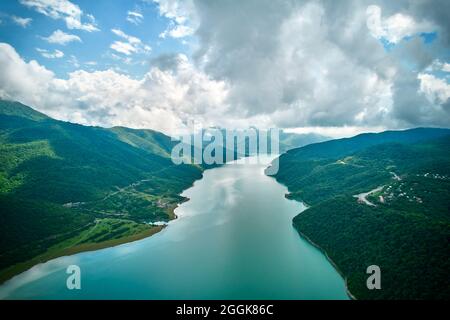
point(378, 199)
point(61, 181)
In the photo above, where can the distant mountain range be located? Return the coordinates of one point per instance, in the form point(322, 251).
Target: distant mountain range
point(378, 199)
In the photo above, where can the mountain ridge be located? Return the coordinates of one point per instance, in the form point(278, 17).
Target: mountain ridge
point(369, 204)
point(88, 184)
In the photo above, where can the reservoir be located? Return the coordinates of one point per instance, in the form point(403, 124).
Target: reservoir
point(233, 239)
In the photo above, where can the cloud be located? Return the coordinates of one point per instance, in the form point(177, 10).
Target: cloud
point(60, 37)
point(289, 64)
point(134, 17)
point(50, 55)
point(19, 78)
point(130, 45)
point(162, 99)
point(177, 31)
point(438, 65)
point(182, 17)
point(64, 10)
point(436, 90)
point(317, 63)
point(396, 27)
point(23, 22)
point(123, 47)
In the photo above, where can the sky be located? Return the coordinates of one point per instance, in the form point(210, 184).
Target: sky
point(331, 67)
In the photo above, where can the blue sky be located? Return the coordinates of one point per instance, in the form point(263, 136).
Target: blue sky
point(94, 46)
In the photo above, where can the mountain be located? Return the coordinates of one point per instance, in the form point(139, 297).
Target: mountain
point(289, 140)
point(378, 199)
point(65, 187)
point(286, 140)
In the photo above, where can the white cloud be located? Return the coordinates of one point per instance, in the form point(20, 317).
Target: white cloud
point(23, 22)
point(396, 27)
point(182, 16)
point(65, 10)
point(135, 17)
point(162, 100)
point(438, 65)
point(57, 54)
point(446, 67)
point(19, 78)
point(336, 132)
point(123, 47)
point(123, 35)
point(435, 89)
point(60, 37)
point(177, 31)
point(130, 45)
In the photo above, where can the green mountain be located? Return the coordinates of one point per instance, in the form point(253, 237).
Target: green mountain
point(66, 187)
point(378, 199)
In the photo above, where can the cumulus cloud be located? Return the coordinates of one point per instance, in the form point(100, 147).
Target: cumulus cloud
point(176, 31)
point(18, 78)
point(23, 22)
point(162, 99)
point(134, 17)
point(283, 61)
point(289, 64)
point(60, 37)
point(49, 54)
point(435, 89)
point(446, 67)
point(317, 63)
point(64, 10)
point(182, 17)
point(396, 27)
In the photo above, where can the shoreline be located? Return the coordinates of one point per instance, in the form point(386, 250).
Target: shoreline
point(323, 251)
point(21, 267)
point(336, 267)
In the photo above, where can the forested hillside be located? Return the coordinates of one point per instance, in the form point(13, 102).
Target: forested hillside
point(64, 185)
point(381, 199)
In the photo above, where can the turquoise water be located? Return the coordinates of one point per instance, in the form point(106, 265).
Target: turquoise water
point(233, 240)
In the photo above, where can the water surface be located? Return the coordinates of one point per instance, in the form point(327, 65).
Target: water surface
point(233, 240)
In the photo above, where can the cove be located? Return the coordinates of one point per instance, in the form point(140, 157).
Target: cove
point(233, 239)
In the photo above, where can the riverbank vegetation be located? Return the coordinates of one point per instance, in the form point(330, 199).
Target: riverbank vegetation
point(405, 232)
point(66, 187)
